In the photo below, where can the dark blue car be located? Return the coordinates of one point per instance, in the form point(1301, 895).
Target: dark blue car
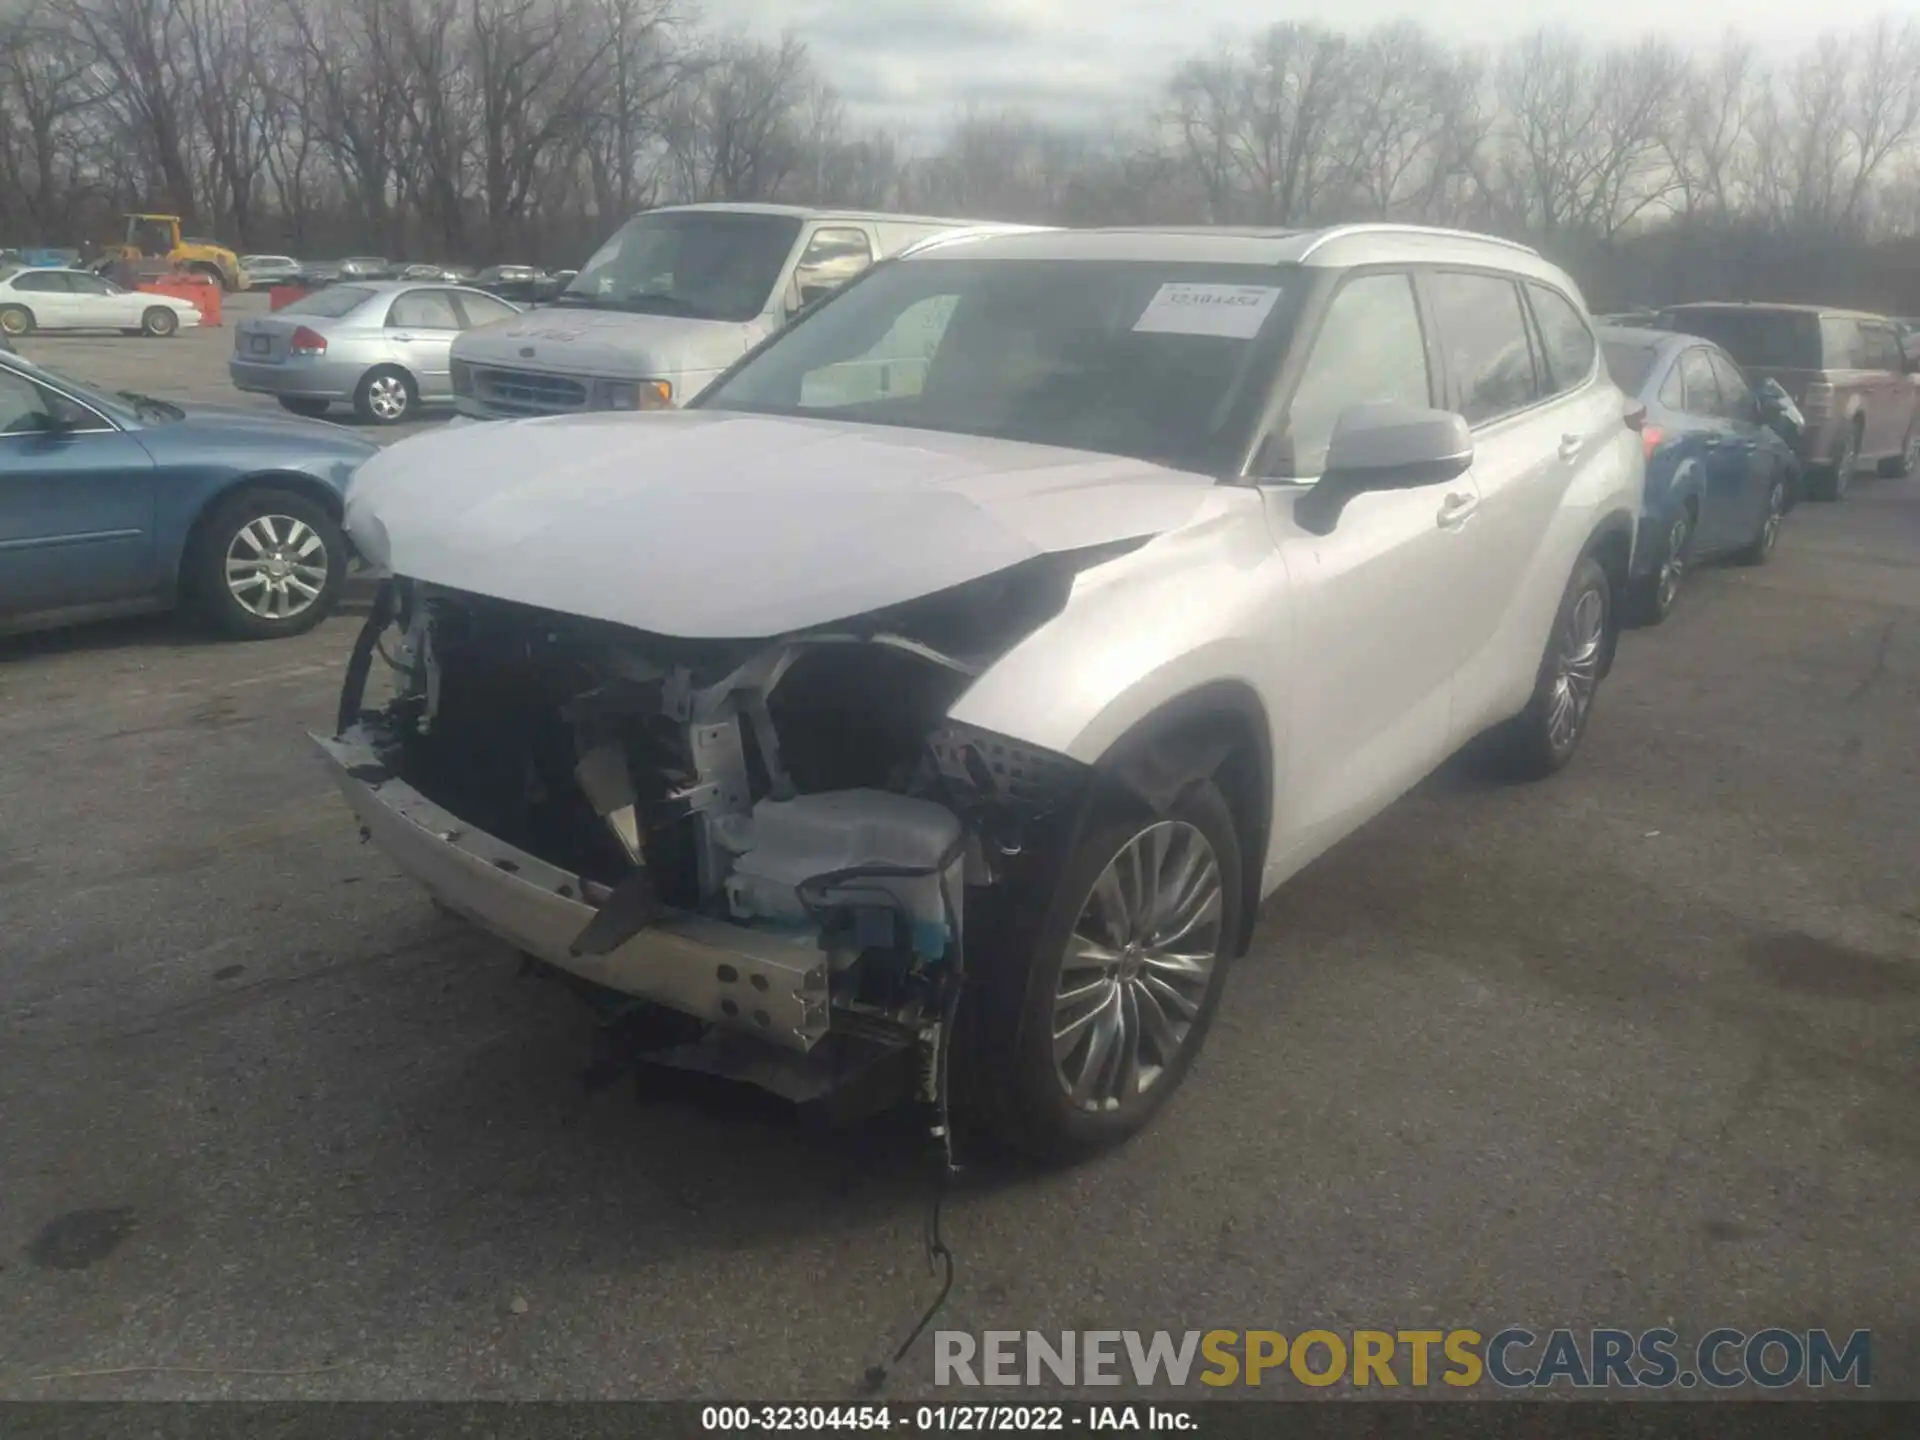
point(115, 504)
point(1721, 473)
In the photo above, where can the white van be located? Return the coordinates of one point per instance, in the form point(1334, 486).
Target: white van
point(676, 296)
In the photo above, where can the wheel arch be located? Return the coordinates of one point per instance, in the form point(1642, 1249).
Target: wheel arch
point(1217, 731)
point(293, 481)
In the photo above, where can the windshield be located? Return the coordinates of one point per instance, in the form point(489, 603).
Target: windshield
point(330, 303)
point(1156, 360)
point(1629, 365)
point(103, 400)
point(710, 264)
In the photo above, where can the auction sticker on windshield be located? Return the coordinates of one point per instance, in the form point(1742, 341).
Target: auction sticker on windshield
point(1234, 312)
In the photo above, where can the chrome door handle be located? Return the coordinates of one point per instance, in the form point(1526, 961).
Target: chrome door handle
point(1569, 447)
point(1455, 509)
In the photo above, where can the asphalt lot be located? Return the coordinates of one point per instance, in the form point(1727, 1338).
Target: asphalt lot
point(1637, 1046)
point(189, 366)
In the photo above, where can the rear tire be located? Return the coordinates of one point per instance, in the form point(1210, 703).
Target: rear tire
point(256, 558)
point(1103, 965)
point(1652, 599)
point(311, 409)
point(1542, 738)
point(1908, 460)
point(1831, 482)
point(1761, 548)
point(16, 320)
point(386, 396)
point(159, 322)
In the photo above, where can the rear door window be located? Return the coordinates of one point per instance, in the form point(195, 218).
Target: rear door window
point(423, 310)
point(1483, 332)
point(1569, 343)
point(1735, 393)
point(1702, 390)
point(1841, 343)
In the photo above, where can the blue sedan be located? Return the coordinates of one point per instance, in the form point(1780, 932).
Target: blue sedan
point(1721, 472)
point(117, 504)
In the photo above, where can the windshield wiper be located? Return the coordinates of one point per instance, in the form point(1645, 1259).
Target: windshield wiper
point(150, 403)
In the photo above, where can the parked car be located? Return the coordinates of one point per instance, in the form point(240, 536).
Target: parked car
point(451, 274)
point(1035, 653)
point(1721, 469)
point(673, 298)
point(33, 300)
point(552, 283)
point(116, 504)
point(518, 283)
point(383, 346)
point(267, 270)
point(1844, 369)
point(317, 274)
point(366, 267)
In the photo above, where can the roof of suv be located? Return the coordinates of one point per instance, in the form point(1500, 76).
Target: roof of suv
point(1337, 247)
point(1778, 307)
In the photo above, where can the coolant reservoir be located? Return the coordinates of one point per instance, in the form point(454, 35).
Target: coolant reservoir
point(815, 836)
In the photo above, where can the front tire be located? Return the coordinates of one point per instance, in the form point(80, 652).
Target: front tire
point(1908, 460)
point(386, 396)
point(268, 564)
point(1542, 738)
point(1103, 1016)
point(159, 322)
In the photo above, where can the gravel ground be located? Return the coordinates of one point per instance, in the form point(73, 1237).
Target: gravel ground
point(1638, 1045)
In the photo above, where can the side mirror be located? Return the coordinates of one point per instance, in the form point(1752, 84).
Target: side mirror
point(1385, 445)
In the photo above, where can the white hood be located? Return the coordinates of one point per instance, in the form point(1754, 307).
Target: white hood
point(712, 525)
point(572, 341)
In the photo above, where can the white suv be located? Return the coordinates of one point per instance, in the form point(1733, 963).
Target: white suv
point(928, 709)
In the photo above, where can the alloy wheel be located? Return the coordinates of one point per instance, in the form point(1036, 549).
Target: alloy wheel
point(276, 566)
point(1844, 467)
point(1776, 512)
point(387, 396)
point(1576, 669)
point(1673, 568)
point(1138, 963)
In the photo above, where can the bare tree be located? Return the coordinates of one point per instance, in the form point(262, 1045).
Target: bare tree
point(732, 131)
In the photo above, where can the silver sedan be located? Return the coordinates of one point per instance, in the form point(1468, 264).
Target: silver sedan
point(382, 346)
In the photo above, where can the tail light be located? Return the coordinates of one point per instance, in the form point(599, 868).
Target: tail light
point(1651, 437)
point(1817, 398)
point(307, 342)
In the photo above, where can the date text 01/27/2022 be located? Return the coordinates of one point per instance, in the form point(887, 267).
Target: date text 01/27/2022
point(959, 1417)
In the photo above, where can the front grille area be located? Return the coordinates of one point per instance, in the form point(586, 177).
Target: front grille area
point(527, 392)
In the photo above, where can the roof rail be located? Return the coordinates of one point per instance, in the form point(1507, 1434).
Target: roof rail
point(970, 232)
point(1388, 227)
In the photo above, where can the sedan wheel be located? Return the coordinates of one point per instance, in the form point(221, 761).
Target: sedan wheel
point(270, 563)
point(159, 322)
point(16, 320)
point(385, 397)
point(1673, 568)
point(1137, 967)
point(1762, 546)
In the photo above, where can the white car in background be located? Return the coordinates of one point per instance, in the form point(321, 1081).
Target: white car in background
point(33, 300)
point(1022, 615)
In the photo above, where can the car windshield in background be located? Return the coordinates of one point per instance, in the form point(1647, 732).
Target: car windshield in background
point(329, 304)
point(1628, 365)
point(705, 264)
point(1768, 339)
point(1130, 358)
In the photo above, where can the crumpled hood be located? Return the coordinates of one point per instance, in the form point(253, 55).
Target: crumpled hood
point(569, 340)
point(713, 525)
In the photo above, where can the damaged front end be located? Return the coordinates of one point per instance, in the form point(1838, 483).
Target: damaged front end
point(785, 843)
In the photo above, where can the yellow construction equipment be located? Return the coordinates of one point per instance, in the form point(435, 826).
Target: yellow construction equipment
point(157, 237)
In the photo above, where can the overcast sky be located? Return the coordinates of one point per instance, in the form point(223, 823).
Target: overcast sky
point(915, 64)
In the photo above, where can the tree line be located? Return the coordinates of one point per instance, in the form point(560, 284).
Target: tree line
point(484, 130)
